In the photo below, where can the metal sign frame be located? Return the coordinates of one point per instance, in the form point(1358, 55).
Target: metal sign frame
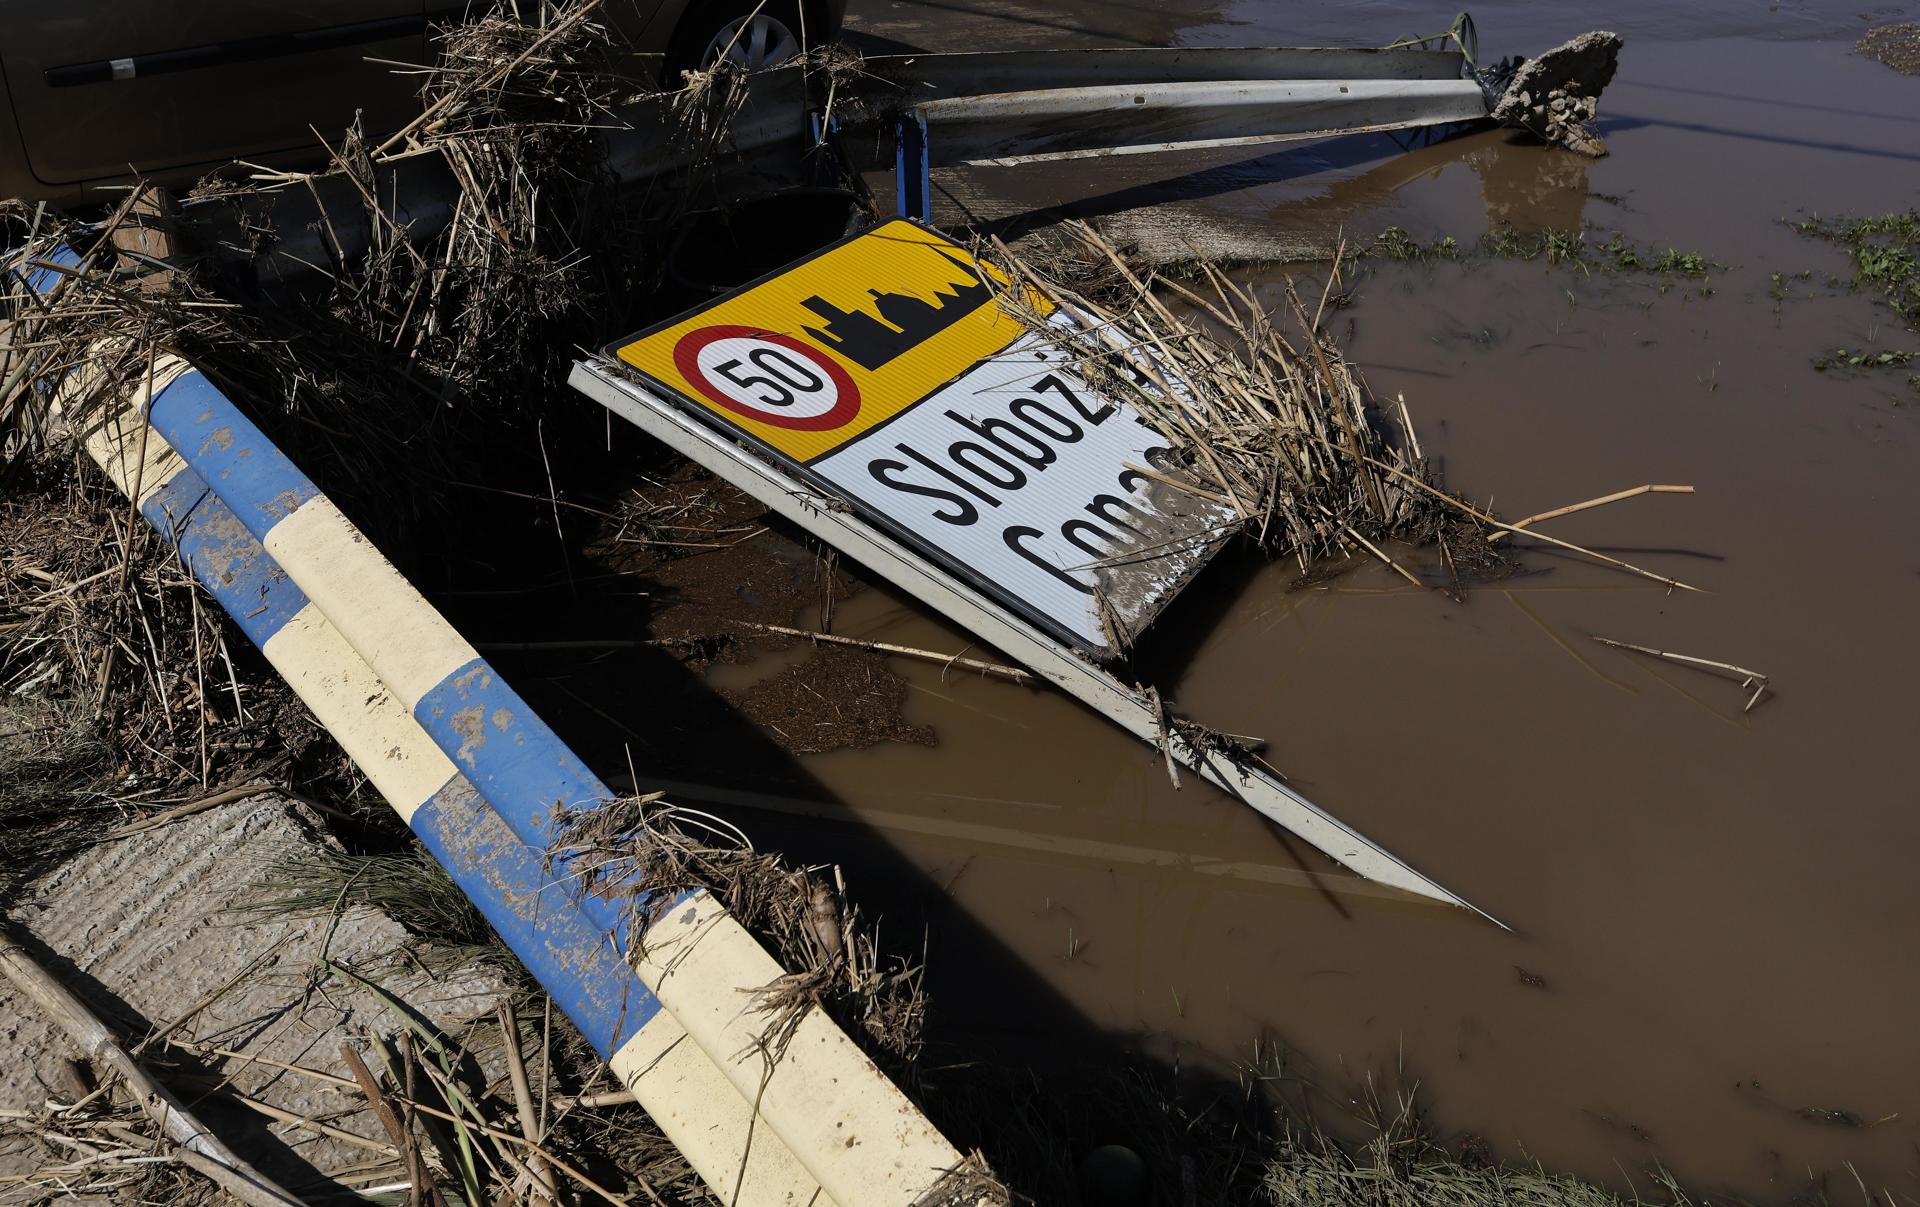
point(825, 518)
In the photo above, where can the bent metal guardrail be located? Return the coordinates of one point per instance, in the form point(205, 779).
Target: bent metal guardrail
point(476, 775)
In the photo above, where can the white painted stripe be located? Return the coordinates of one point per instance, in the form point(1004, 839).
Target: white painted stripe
point(676, 1082)
point(139, 471)
point(708, 1121)
point(117, 436)
point(382, 739)
point(847, 1123)
point(390, 624)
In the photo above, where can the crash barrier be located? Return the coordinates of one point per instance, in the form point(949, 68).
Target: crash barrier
point(1008, 106)
point(477, 776)
point(954, 108)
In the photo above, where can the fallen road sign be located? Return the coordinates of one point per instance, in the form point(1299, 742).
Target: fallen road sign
point(1134, 709)
point(779, 390)
point(885, 371)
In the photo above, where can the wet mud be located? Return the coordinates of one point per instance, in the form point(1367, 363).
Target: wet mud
point(714, 565)
point(837, 699)
point(1710, 964)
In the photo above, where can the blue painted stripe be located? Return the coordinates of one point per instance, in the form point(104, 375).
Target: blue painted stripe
point(217, 512)
point(574, 959)
point(510, 754)
point(42, 280)
point(520, 766)
point(572, 955)
point(512, 757)
point(516, 761)
point(231, 454)
point(227, 559)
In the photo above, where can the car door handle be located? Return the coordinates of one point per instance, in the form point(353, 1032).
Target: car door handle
point(240, 50)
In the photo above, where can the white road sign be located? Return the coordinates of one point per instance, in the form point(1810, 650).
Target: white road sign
point(885, 372)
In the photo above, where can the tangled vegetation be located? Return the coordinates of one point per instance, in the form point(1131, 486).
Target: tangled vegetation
point(1897, 45)
point(424, 348)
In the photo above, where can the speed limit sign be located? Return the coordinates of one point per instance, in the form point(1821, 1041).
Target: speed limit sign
point(769, 377)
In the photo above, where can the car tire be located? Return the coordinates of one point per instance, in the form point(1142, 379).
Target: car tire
point(752, 34)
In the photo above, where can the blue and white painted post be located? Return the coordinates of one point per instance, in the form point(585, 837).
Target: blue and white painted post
point(439, 733)
point(843, 1119)
point(697, 1107)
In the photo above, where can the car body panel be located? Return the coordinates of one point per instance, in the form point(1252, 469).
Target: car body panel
point(99, 92)
point(84, 131)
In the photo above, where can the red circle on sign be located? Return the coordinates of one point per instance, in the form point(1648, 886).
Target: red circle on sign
point(846, 402)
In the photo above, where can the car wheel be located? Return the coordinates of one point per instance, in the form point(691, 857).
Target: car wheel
point(752, 36)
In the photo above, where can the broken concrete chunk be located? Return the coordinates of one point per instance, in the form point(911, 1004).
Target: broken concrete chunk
point(1555, 95)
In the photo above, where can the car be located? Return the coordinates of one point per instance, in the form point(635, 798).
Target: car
point(98, 92)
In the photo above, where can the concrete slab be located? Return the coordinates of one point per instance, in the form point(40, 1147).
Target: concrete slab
point(144, 930)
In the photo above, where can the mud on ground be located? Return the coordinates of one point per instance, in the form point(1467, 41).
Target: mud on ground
point(1897, 45)
point(713, 562)
point(717, 565)
point(836, 698)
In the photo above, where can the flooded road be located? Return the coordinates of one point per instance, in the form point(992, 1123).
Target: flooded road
point(1711, 967)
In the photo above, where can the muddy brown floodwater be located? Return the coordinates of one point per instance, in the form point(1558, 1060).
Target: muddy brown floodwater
point(1714, 912)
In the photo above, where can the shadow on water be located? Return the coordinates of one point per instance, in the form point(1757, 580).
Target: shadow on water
point(1775, 101)
point(1011, 1067)
point(1610, 124)
point(1178, 635)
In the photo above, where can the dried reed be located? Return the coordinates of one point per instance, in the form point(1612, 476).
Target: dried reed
point(647, 852)
point(1265, 413)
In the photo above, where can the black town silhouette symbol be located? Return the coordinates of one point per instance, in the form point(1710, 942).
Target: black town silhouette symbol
point(870, 343)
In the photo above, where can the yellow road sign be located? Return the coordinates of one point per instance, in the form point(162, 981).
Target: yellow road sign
point(809, 359)
point(891, 373)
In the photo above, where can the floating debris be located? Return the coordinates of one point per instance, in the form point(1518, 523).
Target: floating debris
point(1556, 95)
point(1754, 679)
point(1896, 45)
point(1267, 417)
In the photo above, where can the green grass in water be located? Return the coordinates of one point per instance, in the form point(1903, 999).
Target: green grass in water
point(1885, 250)
point(1556, 247)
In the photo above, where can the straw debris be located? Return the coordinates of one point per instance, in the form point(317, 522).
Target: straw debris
point(412, 358)
point(102, 626)
point(648, 853)
point(1897, 45)
point(1264, 412)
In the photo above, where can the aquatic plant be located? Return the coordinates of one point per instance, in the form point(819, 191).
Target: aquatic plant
point(1558, 247)
point(1394, 243)
point(1885, 250)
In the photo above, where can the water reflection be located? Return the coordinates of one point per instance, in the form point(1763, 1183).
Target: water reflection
point(1530, 187)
